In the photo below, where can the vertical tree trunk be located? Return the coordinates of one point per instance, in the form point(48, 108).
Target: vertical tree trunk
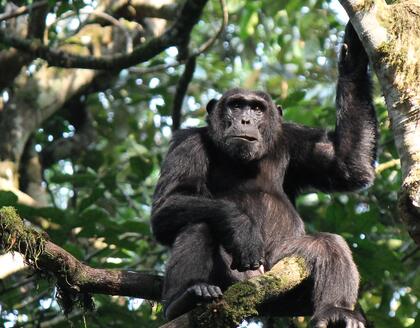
point(391, 36)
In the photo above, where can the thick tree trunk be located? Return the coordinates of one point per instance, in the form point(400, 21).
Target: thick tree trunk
point(391, 36)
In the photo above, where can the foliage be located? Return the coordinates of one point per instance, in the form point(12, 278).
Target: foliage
point(100, 200)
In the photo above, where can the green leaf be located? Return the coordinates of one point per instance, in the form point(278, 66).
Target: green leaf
point(94, 214)
point(136, 226)
point(96, 193)
point(142, 167)
point(249, 19)
point(7, 198)
point(294, 98)
point(78, 179)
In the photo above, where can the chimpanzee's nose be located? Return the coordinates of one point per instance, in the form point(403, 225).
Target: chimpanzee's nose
point(245, 121)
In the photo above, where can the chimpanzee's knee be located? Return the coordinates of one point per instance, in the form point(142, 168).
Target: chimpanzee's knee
point(334, 274)
point(336, 278)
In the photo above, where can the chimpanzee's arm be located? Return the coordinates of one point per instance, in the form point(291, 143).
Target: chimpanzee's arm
point(182, 198)
point(343, 159)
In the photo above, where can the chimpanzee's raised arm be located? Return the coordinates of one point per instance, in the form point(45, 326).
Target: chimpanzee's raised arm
point(341, 160)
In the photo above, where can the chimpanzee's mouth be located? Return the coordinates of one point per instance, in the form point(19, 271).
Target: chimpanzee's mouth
point(245, 138)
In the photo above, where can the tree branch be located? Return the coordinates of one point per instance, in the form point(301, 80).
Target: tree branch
point(195, 53)
point(242, 300)
point(387, 165)
point(181, 90)
point(46, 256)
point(14, 60)
point(225, 18)
point(138, 9)
point(23, 10)
point(179, 31)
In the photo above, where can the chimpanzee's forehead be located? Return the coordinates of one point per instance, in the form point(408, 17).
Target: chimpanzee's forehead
point(246, 94)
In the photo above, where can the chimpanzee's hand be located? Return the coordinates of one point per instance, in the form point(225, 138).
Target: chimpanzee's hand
point(353, 60)
point(246, 248)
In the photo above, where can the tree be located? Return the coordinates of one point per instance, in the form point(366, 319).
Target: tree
point(90, 92)
point(391, 35)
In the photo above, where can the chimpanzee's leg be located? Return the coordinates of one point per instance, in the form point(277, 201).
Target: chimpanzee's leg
point(334, 274)
point(189, 272)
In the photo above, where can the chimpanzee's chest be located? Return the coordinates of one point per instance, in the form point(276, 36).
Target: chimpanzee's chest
point(257, 191)
point(251, 186)
point(230, 177)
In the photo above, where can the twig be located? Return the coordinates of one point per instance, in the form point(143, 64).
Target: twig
point(155, 69)
point(180, 30)
point(189, 69)
point(32, 299)
point(117, 23)
point(18, 284)
point(207, 45)
point(387, 165)
point(410, 254)
point(111, 19)
point(22, 10)
point(212, 40)
point(181, 90)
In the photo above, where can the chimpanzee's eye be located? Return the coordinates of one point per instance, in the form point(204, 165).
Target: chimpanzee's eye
point(257, 107)
point(235, 105)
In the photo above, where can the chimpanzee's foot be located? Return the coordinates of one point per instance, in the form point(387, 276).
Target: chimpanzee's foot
point(187, 300)
point(335, 317)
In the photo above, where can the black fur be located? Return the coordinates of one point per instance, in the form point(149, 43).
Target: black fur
point(224, 201)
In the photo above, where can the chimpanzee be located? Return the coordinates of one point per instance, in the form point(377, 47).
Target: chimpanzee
point(224, 202)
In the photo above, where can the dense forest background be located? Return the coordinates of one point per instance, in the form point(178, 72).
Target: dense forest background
point(85, 161)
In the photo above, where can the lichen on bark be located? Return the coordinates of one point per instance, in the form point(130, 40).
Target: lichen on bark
point(400, 51)
point(397, 63)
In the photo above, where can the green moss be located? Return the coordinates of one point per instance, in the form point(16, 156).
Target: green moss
point(15, 236)
point(400, 51)
point(241, 300)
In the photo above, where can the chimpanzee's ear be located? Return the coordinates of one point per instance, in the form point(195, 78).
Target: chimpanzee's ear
point(211, 105)
point(280, 109)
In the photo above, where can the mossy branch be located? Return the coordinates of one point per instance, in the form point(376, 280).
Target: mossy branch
point(243, 299)
point(73, 277)
point(15, 236)
point(76, 280)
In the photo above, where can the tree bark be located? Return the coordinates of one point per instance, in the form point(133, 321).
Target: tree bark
point(391, 37)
